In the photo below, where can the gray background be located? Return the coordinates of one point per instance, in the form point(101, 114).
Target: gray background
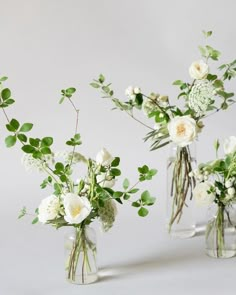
point(49, 45)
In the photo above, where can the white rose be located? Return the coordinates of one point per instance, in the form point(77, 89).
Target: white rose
point(76, 208)
point(104, 158)
point(201, 195)
point(199, 70)
point(230, 145)
point(182, 130)
point(48, 209)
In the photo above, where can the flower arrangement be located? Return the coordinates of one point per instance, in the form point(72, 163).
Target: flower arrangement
point(74, 202)
point(217, 185)
point(203, 96)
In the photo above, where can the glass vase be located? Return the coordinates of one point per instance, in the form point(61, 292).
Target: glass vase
point(221, 233)
point(80, 256)
point(180, 208)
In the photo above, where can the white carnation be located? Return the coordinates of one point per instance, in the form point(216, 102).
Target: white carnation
point(49, 208)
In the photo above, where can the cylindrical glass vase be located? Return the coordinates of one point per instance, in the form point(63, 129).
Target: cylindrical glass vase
point(80, 256)
point(180, 207)
point(221, 233)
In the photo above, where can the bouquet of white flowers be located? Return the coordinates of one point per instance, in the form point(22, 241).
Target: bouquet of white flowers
point(217, 185)
point(203, 96)
point(74, 202)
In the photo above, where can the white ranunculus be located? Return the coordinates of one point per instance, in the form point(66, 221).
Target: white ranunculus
point(230, 145)
point(182, 130)
point(201, 195)
point(76, 208)
point(104, 158)
point(199, 70)
point(49, 208)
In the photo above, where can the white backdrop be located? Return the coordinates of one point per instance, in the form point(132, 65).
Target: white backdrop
point(49, 45)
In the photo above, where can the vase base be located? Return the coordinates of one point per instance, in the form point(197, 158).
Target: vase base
point(88, 279)
point(182, 234)
point(223, 255)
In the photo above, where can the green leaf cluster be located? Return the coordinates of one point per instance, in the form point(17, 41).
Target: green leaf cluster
point(145, 173)
point(67, 93)
point(18, 132)
point(6, 99)
point(75, 141)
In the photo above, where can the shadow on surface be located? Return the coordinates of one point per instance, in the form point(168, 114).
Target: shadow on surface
point(158, 262)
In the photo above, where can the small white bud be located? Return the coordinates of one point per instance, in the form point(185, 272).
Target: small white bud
point(231, 191)
point(191, 174)
point(137, 90)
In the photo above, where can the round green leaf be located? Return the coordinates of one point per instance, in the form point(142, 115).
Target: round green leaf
point(26, 127)
point(6, 93)
point(10, 140)
point(143, 212)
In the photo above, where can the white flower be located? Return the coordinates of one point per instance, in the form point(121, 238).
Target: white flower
point(137, 90)
point(107, 214)
point(229, 182)
point(104, 158)
point(31, 163)
point(149, 106)
point(230, 145)
point(49, 208)
point(182, 130)
point(201, 97)
point(67, 156)
point(199, 70)
point(231, 191)
point(201, 195)
point(76, 208)
point(105, 182)
point(129, 92)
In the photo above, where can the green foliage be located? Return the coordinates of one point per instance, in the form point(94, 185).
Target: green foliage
point(76, 140)
point(6, 99)
point(146, 173)
point(126, 184)
point(26, 127)
point(207, 33)
point(22, 213)
point(115, 162)
point(10, 140)
point(143, 212)
point(67, 93)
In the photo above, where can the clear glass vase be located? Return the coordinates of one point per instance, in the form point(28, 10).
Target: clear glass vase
point(221, 233)
point(180, 208)
point(80, 256)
